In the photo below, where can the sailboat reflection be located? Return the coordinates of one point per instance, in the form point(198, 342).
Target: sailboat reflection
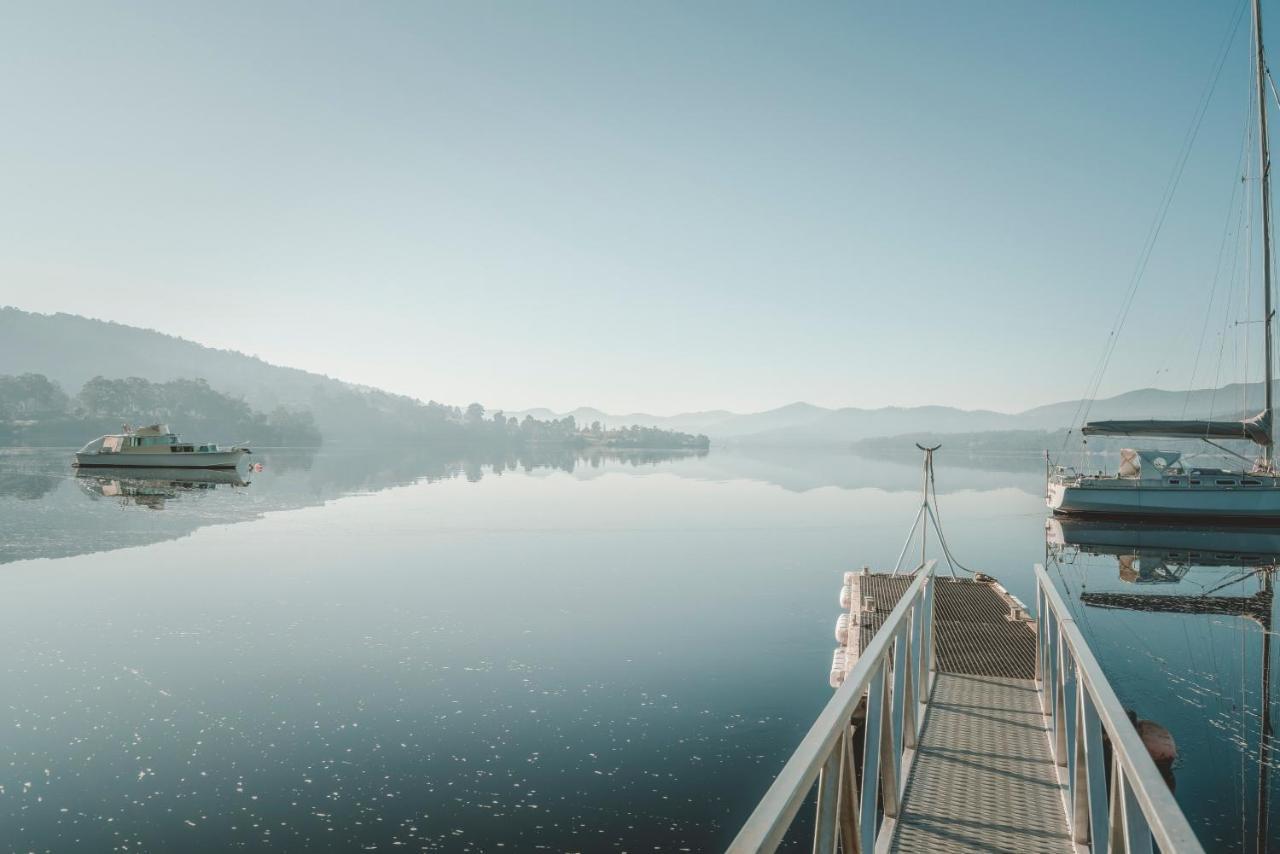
point(1154, 554)
point(158, 485)
point(1163, 553)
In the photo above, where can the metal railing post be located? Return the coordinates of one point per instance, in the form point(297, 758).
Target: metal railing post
point(900, 663)
point(871, 760)
point(910, 724)
point(824, 830)
point(1139, 812)
point(849, 802)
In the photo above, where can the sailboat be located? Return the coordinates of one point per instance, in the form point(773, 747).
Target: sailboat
point(1157, 484)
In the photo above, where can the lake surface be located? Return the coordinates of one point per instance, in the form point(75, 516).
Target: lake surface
point(360, 651)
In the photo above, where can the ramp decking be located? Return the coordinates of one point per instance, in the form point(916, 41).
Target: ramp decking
point(975, 634)
point(959, 724)
point(983, 779)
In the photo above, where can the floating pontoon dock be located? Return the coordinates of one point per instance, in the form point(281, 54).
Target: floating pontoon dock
point(962, 725)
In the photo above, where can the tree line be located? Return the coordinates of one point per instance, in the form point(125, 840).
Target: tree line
point(565, 432)
point(35, 410)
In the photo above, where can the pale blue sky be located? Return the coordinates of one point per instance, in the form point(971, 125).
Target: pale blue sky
point(648, 206)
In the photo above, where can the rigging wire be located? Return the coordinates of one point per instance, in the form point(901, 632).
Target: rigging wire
point(1244, 239)
point(1144, 256)
point(1236, 580)
point(1234, 214)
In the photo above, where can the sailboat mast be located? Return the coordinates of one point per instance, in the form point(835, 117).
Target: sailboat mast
point(1265, 735)
point(1265, 159)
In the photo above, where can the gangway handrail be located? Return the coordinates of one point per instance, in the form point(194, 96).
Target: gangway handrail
point(896, 700)
point(1137, 807)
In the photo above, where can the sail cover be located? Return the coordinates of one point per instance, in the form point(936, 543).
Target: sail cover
point(1256, 429)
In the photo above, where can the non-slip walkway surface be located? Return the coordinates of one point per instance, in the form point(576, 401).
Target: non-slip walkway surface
point(974, 632)
point(983, 779)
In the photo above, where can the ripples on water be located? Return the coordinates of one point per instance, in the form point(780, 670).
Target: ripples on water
point(381, 651)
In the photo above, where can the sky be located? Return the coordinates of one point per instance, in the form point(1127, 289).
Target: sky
point(652, 206)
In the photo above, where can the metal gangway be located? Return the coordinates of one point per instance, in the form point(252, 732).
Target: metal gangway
point(955, 733)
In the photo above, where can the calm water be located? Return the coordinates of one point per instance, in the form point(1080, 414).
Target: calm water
point(360, 651)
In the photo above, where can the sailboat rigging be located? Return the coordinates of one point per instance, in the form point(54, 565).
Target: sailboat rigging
point(1157, 484)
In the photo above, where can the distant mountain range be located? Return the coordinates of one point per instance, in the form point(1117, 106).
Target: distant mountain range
point(806, 424)
point(72, 349)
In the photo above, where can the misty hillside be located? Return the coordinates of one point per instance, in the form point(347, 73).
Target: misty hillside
point(842, 425)
point(1229, 401)
point(806, 424)
point(72, 350)
point(139, 370)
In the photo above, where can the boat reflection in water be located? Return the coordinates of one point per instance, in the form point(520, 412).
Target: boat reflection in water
point(151, 488)
point(1163, 553)
point(1206, 571)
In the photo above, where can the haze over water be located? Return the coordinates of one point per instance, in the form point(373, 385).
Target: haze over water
point(368, 651)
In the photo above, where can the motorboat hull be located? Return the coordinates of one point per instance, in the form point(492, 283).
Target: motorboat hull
point(1117, 499)
point(166, 460)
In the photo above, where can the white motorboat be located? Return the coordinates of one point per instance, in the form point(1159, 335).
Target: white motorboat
point(156, 447)
point(1155, 484)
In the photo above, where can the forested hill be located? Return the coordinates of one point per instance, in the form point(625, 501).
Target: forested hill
point(72, 350)
point(62, 376)
point(36, 411)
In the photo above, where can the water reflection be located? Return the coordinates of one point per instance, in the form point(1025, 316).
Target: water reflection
point(1163, 553)
point(1182, 620)
point(404, 664)
point(151, 488)
point(43, 512)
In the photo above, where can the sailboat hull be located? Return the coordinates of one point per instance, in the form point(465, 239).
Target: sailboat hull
point(1116, 498)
